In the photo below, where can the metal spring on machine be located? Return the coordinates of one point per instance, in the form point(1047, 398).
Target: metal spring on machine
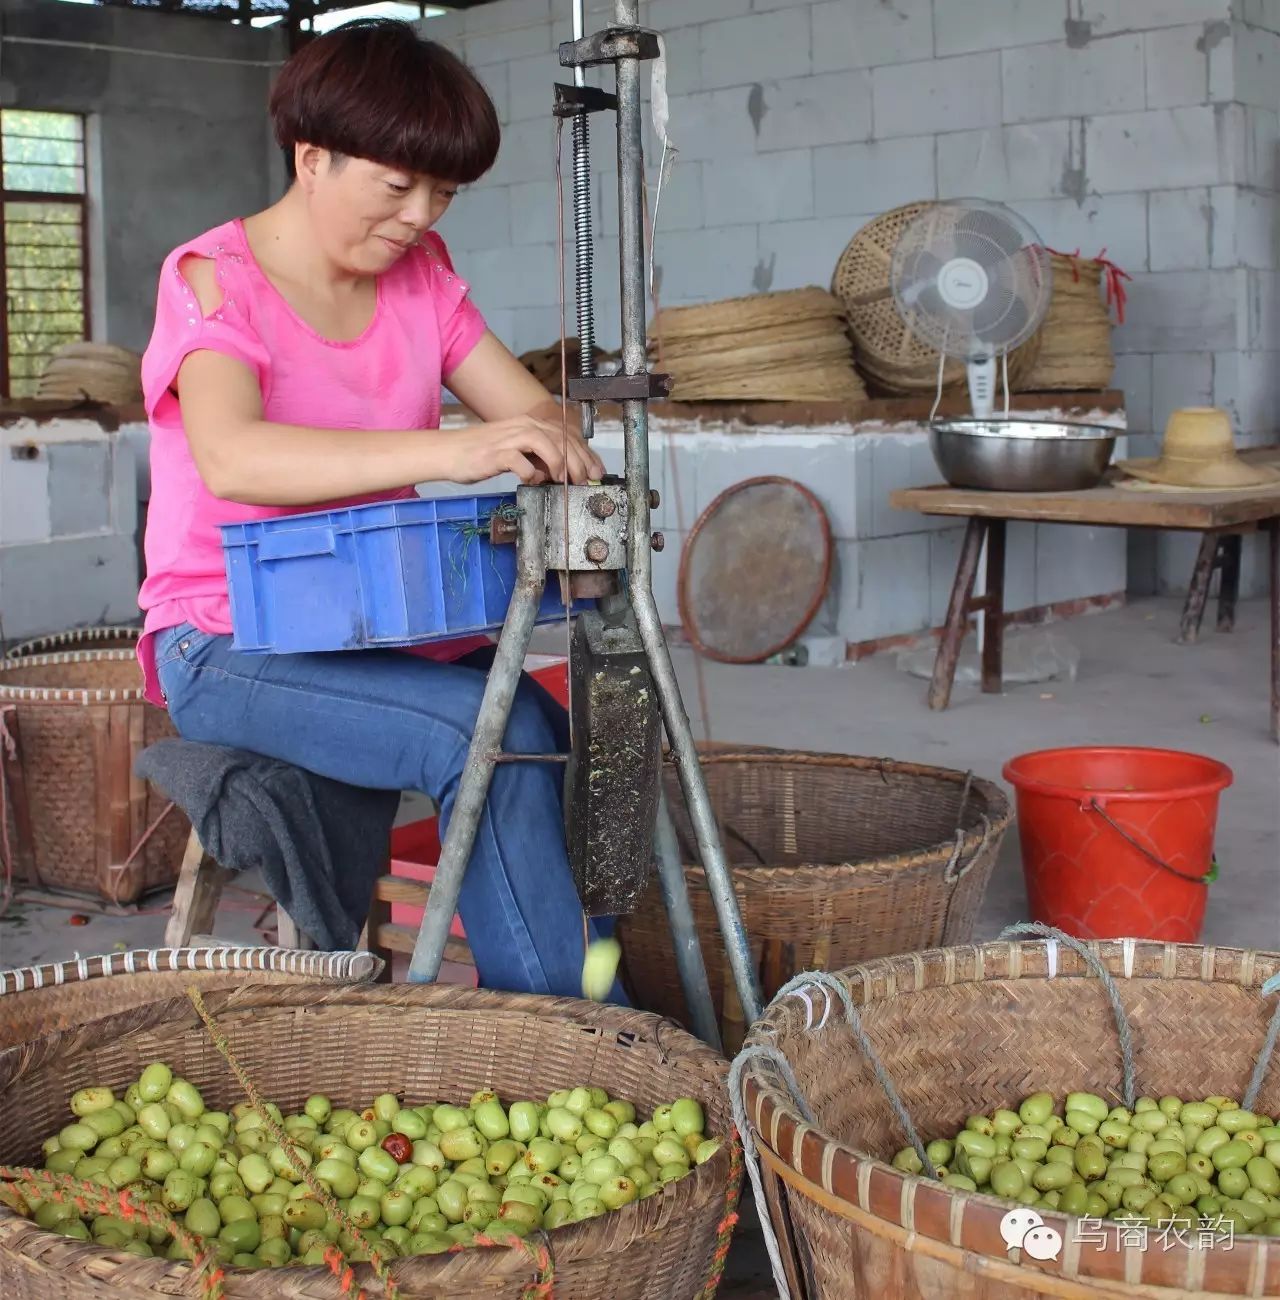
point(582, 243)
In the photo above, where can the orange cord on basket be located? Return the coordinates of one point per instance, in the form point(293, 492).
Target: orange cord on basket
point(1114, 276)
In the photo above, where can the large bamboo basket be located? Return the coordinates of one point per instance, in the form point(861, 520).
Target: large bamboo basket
point(421, 1041)
point(891, 358)
point(77, 721)
point(964, 1030)
point(37, 1000)
point(835, 859)
point(1075, 339)
point(118, 636)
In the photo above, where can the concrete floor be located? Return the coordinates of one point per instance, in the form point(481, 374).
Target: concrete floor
point(1134, 686)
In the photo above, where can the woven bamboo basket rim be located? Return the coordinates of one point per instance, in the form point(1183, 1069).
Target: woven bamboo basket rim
point(611, 1233)
point(997, 810)
point(68, 694)
point(754, 311)
point(806, 1156)
point(51, 643)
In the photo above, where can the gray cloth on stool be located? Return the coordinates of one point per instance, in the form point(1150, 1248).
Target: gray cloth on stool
point(320, 844)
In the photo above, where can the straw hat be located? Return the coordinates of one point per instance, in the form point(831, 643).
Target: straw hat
point(1199, 451)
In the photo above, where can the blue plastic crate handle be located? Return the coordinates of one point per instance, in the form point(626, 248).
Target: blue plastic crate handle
point(297, 543)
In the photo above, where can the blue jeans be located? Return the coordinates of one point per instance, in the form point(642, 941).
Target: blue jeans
point(391, 721)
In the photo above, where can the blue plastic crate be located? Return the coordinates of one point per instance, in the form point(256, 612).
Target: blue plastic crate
point(394, 573)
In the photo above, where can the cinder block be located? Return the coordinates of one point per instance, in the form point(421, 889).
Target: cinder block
point(68, 582)
point(1181, 225)
point(538, 327)
point(498, 33)
point(79, 487)
point(758, 47)
point(884, 587)
point(1005, 163)
point(794, 254)
point(1252, 135)
point(527, 153)
point(700, 265)
point(713, 124)
point(1157, 149)
point(1059, 80)
point(1178, 311)
point(1139, 15)
point(1133, 377)
point(513, 277)
point(504, 15)
point(478, 218)
point(1175, 559)
point(1263, 310)
point(667, 14)
point(1019, 568)
point(1260, 13)
point(1226, 212)
point(870, 34)
point(824, 463)
point(533, 212)
point(666, 573)
point(681, 206)
point(1115, 222)
point(942, 95)
point(1256, 228)
point(899, 461)
point(805, 112)
point(24, 498)
point(772, 187)
point(871, 177)
point(496, 80)
point(531, 82)
point(1177, 63)
point(1178, 380)
point(1244, 383)
point(124, 487)
point(1257, 65)
point(993, 25)
point(1074, 562)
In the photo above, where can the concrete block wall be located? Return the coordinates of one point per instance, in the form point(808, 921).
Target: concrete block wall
point(1148, 128)
point(68, 520)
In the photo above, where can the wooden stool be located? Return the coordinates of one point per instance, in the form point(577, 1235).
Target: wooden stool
point(196, 898)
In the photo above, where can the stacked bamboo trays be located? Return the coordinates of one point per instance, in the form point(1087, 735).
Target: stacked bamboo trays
point(891, 358)
point(76, 811)
point(835, 859)
point(784, 346)
point(962, 1031)
point(100, 372)
point(428, 1042)
point(1075, 339)
point(39, 1000)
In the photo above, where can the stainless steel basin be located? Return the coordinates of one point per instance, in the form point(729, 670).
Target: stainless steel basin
point(1011, 455)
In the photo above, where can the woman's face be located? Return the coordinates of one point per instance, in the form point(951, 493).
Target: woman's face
point(368, 215)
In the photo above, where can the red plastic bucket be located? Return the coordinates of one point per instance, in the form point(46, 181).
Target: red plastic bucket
point(1118, 842)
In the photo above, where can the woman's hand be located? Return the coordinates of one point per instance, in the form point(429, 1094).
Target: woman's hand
point(532, 449)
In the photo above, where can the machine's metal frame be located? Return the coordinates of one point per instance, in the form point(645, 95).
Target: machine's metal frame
point(543, 546)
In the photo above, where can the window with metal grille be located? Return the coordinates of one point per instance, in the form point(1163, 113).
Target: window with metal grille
point(43, 254)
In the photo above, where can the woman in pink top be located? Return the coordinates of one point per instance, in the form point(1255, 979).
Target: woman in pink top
point(297, 362)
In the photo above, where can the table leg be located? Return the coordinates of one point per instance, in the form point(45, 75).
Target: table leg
point(1273, 540)
point(993, 641)
point(1198, 590)
point(944, 666)
point(1229, 583)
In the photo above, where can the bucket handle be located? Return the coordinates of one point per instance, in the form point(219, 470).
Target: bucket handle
point(1207, 879)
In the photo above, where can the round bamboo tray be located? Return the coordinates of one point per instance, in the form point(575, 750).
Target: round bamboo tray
point(36, 1000)
point(77, 721)
point(108, 637)
point(835, 859)
point(893, 360)
point(943, 1024)
point(420, 1041)
point(1075, 339)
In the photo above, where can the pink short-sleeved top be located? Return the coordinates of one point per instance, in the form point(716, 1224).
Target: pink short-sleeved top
point(424, 325)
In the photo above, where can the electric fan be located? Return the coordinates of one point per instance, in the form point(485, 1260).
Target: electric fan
point(972, 280)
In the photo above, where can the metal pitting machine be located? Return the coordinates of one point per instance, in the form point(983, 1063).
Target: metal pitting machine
point(596, 539)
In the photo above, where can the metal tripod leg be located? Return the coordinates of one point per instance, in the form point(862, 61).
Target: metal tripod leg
point(491, 728)
point(684, 934)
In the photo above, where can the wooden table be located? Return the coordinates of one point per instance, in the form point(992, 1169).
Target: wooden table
point(1220, 517)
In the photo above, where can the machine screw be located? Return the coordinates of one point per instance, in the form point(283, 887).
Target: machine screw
point(597, 550)
point(658, 541)
point(654, 499)
point(601, 506)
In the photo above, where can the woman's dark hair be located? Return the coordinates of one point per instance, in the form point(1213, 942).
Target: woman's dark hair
point(375, 89)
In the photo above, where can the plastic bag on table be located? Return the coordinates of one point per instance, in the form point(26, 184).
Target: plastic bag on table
point(1031, 655)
